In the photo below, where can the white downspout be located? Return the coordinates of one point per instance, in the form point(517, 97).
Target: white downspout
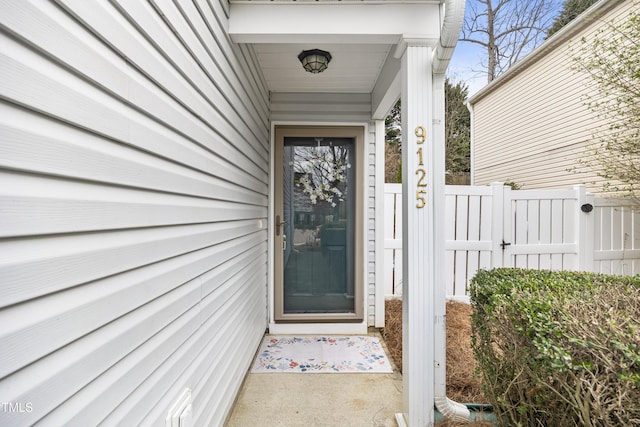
point(451, 25)
point(449, 33)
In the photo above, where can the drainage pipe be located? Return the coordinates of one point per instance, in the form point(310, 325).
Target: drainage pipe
point(479, 412)
point(451, 25)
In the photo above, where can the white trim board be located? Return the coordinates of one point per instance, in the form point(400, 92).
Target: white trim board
point(332, 23)
point(318, 328)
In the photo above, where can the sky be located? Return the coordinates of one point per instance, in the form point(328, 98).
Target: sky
point(467, 57)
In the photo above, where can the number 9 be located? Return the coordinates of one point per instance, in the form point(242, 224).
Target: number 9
point(421, 133)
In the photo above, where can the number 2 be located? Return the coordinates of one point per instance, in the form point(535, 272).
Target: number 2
point(422, 175)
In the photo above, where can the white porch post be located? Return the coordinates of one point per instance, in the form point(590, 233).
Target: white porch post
point(418, 234)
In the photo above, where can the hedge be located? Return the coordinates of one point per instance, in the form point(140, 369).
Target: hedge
point(558, 348)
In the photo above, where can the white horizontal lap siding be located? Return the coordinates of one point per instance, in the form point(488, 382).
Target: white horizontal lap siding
point(534, 127)
point(321, 107)
point(524, 131)
point(134, 169)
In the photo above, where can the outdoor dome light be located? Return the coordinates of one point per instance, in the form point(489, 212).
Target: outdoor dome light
point(315, 60)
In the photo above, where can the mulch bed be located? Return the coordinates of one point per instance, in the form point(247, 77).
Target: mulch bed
point(462, 384)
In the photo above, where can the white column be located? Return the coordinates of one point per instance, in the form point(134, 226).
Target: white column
point(418, 170)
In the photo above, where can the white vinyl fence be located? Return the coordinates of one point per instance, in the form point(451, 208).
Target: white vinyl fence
point(494, 226)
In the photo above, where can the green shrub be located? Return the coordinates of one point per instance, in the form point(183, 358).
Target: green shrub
point(558, 348)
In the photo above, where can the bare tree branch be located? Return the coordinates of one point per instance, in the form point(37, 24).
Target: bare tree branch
point(507, 29)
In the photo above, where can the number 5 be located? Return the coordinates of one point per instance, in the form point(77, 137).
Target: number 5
point(421, 202)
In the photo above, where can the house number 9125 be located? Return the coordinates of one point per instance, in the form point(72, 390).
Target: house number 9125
point(421, 191)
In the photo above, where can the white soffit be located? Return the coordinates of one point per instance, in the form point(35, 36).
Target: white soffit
point(360, 36)
point(353, 68)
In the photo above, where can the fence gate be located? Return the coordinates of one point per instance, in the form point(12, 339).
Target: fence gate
point(494, 226)
point(541, 229)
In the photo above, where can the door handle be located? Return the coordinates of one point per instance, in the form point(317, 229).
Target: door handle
point(279, 224)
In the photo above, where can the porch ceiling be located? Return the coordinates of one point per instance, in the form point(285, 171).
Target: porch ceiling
point(361, 36)
point(353, 68)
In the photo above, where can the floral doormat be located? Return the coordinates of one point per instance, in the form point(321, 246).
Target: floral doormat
point(310, 354)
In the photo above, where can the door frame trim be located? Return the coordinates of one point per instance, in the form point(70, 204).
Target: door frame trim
point(358, 130)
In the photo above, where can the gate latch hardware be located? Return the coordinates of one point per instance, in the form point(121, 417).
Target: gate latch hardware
point(504, 244)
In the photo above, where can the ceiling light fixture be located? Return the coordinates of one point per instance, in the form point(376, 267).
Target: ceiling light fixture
point(315, 60)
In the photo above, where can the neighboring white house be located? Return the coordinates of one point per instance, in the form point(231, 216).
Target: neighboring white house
point(531, 125)
point(148, 233)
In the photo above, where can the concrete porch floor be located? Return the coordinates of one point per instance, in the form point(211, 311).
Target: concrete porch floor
point(315, 400)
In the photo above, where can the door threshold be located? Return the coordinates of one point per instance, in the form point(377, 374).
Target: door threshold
point(318, 328)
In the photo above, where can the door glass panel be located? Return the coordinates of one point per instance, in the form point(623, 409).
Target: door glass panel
point(319, 209)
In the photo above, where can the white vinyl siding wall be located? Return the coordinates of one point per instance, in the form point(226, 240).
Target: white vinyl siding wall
point(534, 126)
point(321, 107)
point(133, 203)
point(335, 108)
